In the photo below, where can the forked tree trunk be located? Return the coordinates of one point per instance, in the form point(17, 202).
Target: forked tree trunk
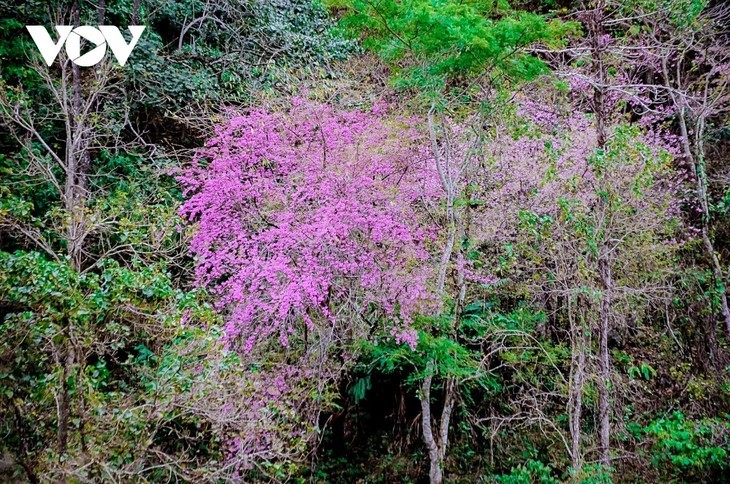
point(437, 443)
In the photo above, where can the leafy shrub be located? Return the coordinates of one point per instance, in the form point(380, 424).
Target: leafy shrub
point(690, 446)
point(527, 473)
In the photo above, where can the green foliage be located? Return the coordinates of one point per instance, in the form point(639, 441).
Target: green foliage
point(593, 474)
point(230, 51)
point(54, 292)
point(644, 370)
point(14, 47)
point(531, 472)
point(690, 446)
point(105, 316)
point(432, 44)
point(453, 356)
point(536, 472)
point(682, 14)
point(154, 396)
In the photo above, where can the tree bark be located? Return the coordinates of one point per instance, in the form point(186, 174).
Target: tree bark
point(694, 157)
point(435, 476)
point(575, 392)
point(74, 197)
point(449, 175)
point(77, 164)
point(604, 365)
point(604, 263)
point(135, 12)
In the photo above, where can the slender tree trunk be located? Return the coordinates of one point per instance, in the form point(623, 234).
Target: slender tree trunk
point(74, 197)
point(77, 160)
point(70, 201)
point(696, 163)
point(599, 70)
point(435, 475)
point(64, 404)
point(436, 444)
point(135, 12)
point(575, 392)
point(604, 263)
point(449, 176)
point(604, 365)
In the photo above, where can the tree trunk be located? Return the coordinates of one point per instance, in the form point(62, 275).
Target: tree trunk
point(604, 365)
point(435, 476)
point(77, 164)
point(695, 158)
point(64, 404)
point(436, 445)
point(701, 192)
point(135, 12)
point(575, 392)
point(604, 264)
point(449, 174)
point(74, 197)
point(599, 69)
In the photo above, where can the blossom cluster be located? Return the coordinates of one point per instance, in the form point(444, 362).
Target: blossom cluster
point(309, 218)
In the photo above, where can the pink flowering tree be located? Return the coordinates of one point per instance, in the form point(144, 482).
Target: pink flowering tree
point(307, 221)
point(311, 232)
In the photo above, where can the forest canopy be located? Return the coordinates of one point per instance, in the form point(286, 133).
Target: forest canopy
point(367, 241)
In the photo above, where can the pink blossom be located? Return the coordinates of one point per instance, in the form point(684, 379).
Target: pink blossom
point(309, 218)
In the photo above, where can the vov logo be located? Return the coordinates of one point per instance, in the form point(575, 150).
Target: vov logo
point(100, 36)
